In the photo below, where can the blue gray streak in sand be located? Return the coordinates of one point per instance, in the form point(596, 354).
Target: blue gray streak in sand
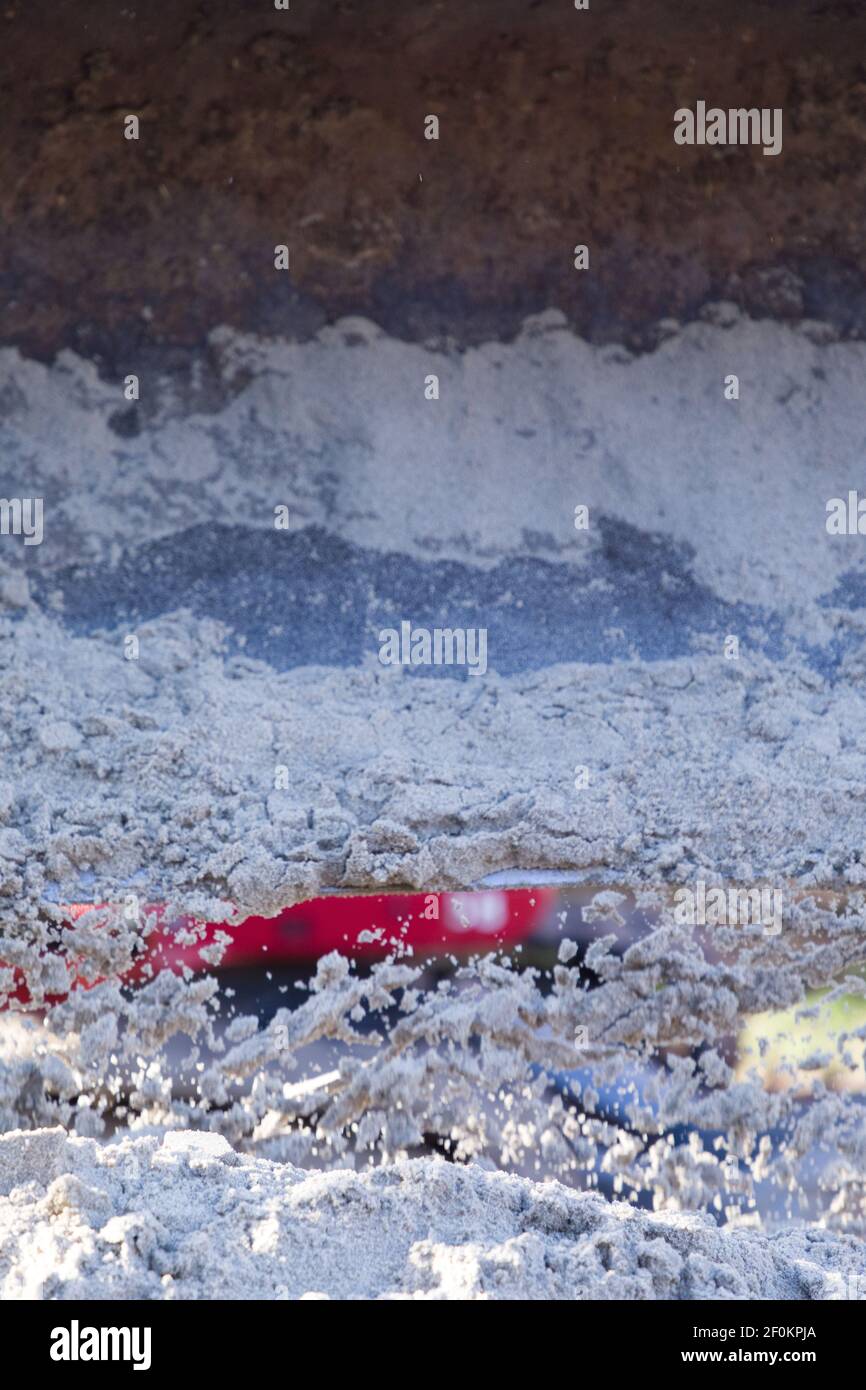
point(309, 597)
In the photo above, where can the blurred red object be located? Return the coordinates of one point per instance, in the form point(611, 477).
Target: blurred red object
point(370, 927)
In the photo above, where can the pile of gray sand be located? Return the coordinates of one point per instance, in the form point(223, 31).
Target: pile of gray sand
point(188, 1218)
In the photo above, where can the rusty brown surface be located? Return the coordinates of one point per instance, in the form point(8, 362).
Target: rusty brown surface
point(260, 127)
